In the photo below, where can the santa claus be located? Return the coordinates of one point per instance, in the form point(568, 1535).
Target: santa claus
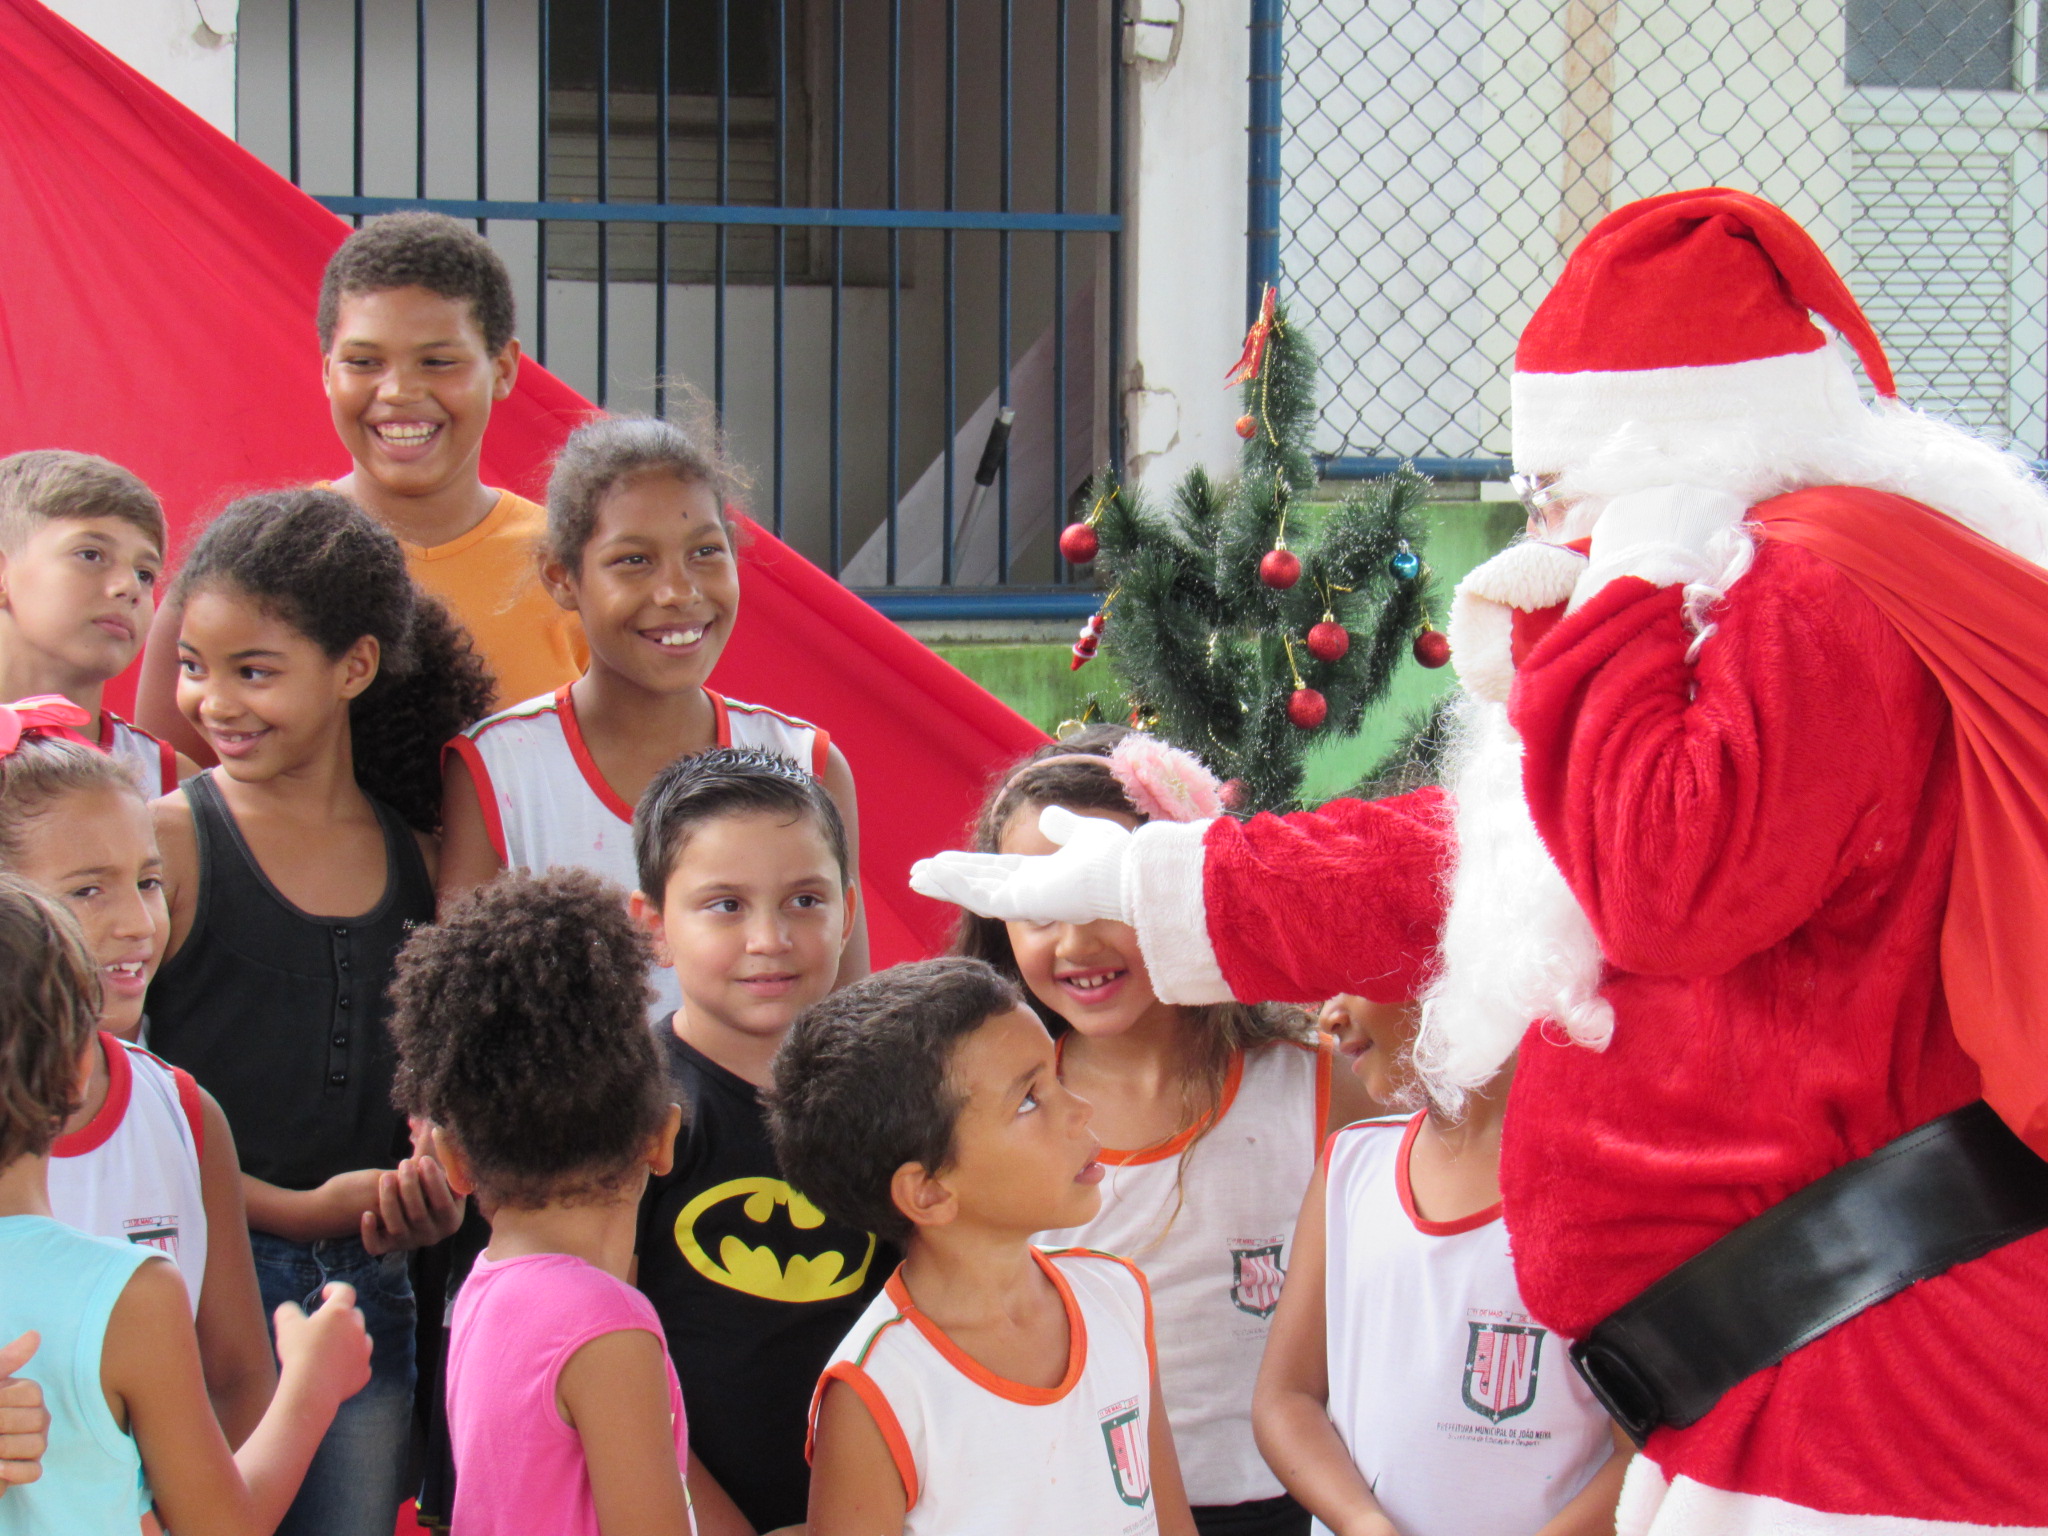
point(1746, 853)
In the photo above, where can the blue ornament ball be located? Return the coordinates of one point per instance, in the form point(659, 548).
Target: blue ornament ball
point(1406, 565)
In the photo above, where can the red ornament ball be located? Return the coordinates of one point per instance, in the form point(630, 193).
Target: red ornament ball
point(1078, 544)
point(1280, 569)
point(1328, 641)
point(1231, 794)
point(1432, 648)
point(1307, 708)
point(1247, 428)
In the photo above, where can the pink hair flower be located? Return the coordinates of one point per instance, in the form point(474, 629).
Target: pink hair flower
point(1164, 783)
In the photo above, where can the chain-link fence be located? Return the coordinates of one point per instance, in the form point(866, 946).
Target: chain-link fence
point(1442, 157)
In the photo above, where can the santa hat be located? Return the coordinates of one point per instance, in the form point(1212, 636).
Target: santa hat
point(1690, 309)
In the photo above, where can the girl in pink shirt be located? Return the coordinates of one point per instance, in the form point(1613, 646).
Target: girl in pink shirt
point(521, 1028)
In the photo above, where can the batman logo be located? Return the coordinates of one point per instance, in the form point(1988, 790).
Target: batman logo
point(759, 1254)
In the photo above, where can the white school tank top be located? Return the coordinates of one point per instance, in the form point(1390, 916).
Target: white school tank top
point(1463, 1412)
point(132, 1172)
point(1212, 1237)
point(153, 763)
point(546, 804)
point(981, 1456)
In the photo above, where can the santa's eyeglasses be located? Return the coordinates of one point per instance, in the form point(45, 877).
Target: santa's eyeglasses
point(1537, 493)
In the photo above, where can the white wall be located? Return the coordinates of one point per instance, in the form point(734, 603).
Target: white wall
point(1185, 250)
point(185, 46)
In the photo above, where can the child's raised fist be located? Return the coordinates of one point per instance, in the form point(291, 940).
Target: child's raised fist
point(330, 1351)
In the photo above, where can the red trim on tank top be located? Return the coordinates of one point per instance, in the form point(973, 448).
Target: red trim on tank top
point(166, 754)
point(981, 1375)
point(1326, 1055)
point(188, 1100)
point(1173, 1146)
point(572, 732)
point(1423, 1225)
point(863, 1386)
point(94, 1134)
point(486, 792)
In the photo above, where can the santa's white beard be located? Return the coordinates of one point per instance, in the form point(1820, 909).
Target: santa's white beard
point(1886, 446)
point(1517, 948)
point(1516, 945)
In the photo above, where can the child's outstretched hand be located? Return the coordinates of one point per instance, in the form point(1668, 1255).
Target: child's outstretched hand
point(415, 1207)
point(328, 1352)
point(24, 1421)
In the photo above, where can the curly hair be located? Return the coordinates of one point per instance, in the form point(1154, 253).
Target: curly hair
point(1218, 1031)
point(862, 1084)
point(315, 560)
point(40, 772)
point(421, 250)
point(49, 1009)
point(601, 453)
point(521, 1026)
point(44, 484)
point(725, 781)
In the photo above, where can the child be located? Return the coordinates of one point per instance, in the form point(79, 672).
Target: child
point(416, 321)
point(1213, 1117)
point(147, 1157)
point(746, 885)
point(118, 1362)
point(81, 546)
point(1022, 1396)
point(326, 684)
point(1406, 1389)
point(639, 547)
point(521, 1028)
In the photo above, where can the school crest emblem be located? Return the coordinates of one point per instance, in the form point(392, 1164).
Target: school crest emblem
point(1255, 1276)
point(1501, 1362)
point(1123, 1436)
point(158, 1232)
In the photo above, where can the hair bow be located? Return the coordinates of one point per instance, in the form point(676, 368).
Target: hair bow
point(1163, 782)
point(47, 714)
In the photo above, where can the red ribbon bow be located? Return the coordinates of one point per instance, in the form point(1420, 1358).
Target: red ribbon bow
point(47, 714)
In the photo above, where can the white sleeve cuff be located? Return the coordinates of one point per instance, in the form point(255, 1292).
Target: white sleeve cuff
point(1163, 893)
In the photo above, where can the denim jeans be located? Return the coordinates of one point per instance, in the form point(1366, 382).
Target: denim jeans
point(358, 1475)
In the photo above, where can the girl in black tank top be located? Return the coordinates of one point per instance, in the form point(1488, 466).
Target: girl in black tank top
point(327, 685)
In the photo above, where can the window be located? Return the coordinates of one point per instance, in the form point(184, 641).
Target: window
point(1949, 45)
point(753, 175)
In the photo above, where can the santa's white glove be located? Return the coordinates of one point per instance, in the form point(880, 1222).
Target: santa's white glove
point(1668, 536)
point(1081, 883)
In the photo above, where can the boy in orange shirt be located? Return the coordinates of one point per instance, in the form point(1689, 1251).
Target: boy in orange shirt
point(416, 318)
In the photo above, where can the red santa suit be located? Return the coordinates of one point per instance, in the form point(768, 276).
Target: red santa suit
point(1746, 786)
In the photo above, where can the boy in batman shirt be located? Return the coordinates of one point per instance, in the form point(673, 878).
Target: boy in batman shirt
point(746, 885)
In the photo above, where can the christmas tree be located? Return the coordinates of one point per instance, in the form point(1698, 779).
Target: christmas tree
point(1244, 623)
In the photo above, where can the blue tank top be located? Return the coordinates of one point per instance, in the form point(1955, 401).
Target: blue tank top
point(64, 1285)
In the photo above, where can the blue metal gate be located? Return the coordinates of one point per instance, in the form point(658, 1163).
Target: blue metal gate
point(704, 197)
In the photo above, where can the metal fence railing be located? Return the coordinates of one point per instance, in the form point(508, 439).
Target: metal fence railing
point(863, 229)
point(1440, 158)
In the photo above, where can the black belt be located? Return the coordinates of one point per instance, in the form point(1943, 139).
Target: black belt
point(1950, 1191)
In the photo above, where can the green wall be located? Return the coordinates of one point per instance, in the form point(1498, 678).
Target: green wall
point(1037, 680)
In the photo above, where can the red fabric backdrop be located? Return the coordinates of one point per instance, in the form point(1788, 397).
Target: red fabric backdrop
point(157, 285)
